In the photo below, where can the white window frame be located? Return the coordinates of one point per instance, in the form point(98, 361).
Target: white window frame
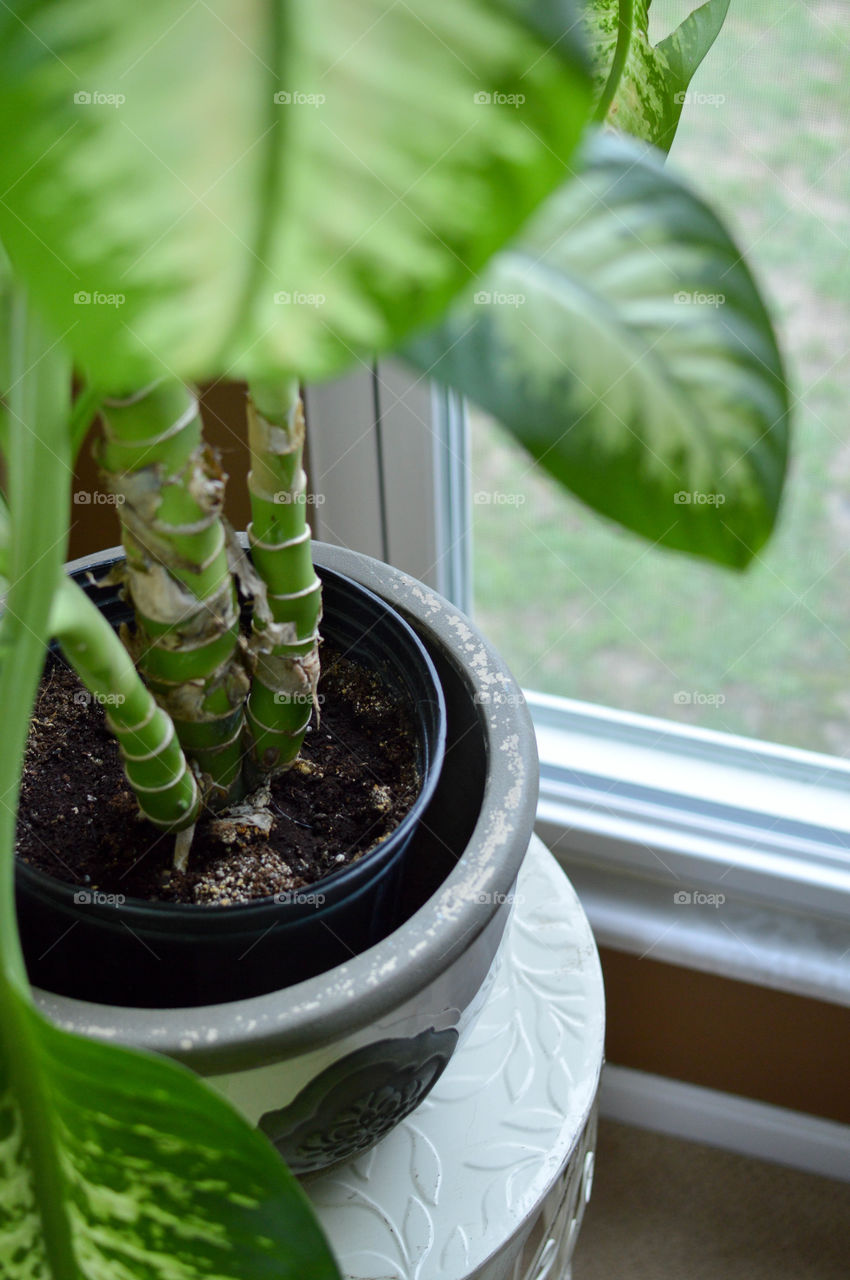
point(387, 460)
point(637, 809)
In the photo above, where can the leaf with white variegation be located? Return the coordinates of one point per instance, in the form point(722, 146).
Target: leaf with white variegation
point(653, 85)
point(160, 1178)
point(272, 186)
point(622, 340)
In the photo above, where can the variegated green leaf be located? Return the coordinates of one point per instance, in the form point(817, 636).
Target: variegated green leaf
point(623, 341)
point(120, 1166)
point(654, 83)
point(5, 334)
point(276, 185)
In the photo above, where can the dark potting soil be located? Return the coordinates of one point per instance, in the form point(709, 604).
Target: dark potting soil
point(355, 780)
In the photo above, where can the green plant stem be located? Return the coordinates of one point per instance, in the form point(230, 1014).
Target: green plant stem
point(285, 637)
point(618, 64)
point(85, 408)
point(154, 762)
point(39, 483)
point(5, 543)
point(186, 644)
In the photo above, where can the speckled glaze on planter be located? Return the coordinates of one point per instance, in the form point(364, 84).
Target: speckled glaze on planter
point(330, 1065)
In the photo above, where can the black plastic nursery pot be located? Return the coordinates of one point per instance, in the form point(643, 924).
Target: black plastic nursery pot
point(169, 955)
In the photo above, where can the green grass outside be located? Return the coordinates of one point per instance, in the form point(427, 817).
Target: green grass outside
point(581, 608)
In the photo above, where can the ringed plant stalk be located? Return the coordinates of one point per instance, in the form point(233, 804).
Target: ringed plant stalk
point(154, 763)
point(186, 643)
point(288, 604)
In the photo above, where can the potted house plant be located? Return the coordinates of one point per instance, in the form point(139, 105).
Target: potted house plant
point(624, 393)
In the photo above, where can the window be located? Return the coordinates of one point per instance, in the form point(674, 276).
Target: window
point(693, 724)
point(581, 609)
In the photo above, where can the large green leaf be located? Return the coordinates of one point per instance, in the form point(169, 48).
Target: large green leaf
point(5, 341)
point(148, 167)
point(158, 1178)
point(654, 83)
point(623, 341)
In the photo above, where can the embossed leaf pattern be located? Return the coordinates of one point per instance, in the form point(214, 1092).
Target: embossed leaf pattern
point(559, 1088)
point(519, 1069)
point(481, 1186)
point(335, 1192)
point(418, 1234)
point(549, 1030)
point(457, 1088)
point(521, 1180)
point(501, 1155)
point(533, 1120)
point(425, 1165)
point(454, 1258)
point(365, 1264)
point(362, 1166)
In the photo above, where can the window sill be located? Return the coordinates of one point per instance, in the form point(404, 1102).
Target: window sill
point(715, 853)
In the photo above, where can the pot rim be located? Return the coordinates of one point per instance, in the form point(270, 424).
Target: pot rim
point(318, 1011)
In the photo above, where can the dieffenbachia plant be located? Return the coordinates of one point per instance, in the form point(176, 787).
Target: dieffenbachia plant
point(114, 1165)
point(273, 193)
point(641, 88)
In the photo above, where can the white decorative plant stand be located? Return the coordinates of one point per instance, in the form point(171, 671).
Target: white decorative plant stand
point(489, 1177)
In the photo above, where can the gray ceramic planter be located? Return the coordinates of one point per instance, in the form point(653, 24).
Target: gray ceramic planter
point(328, 1066)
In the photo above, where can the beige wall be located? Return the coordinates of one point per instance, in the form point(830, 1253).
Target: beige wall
point(95, 526)
point(727, 1035)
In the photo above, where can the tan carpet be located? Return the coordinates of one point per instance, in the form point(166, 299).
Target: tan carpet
point(663, 1209)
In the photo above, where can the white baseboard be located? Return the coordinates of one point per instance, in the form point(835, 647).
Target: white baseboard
point(725, 1120)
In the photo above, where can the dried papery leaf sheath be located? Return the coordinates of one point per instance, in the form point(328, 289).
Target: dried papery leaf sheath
point(186, 644)
point(154, 762)
point(285, 635)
